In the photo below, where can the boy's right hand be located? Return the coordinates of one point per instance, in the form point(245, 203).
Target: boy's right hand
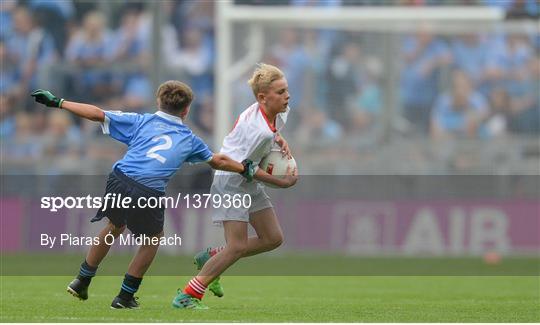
point(45, 97)
point(290, 178)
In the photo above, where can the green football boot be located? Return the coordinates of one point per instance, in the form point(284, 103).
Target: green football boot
point(200, 259)
point(216, 288)
point(185, 301)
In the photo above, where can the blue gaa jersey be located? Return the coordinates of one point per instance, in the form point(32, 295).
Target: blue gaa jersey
point(158, 145)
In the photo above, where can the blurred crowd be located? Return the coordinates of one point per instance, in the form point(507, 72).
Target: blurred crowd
point(99, 53)
point(469, 85)
point(473, 85)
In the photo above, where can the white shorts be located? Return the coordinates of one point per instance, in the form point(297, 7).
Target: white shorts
point(235, 184)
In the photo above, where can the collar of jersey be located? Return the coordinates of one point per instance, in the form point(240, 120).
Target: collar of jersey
point(270, 125)
point(169, 117)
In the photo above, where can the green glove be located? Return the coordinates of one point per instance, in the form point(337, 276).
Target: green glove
point(249, 170)
point(45, 97)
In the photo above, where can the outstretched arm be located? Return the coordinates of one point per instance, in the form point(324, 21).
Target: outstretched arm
point(223, 162)
point(87, 111)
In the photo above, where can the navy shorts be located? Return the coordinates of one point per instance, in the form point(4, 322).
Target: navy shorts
point(140, 221)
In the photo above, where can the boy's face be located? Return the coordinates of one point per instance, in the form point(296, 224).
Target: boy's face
point(276, 99)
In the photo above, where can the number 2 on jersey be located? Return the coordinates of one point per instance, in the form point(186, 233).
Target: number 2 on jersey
point(164, 146)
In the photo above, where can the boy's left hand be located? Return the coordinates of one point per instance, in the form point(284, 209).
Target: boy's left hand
point(249, 170)
point(284, 146)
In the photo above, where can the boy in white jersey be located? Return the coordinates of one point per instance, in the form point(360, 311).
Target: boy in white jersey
point(254, 133)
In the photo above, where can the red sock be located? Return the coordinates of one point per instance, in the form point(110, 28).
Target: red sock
point(215, 250)
point(195, 288)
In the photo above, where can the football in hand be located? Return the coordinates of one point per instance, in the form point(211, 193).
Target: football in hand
point(276, 164)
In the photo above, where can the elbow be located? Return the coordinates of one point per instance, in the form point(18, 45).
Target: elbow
point(98, 117)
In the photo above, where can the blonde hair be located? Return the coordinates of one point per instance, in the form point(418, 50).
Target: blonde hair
point(174, 96)
point(263, 76)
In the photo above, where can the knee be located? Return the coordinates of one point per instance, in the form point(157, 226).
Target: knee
point(238, 249)
point(275, 241)
point(116, 231)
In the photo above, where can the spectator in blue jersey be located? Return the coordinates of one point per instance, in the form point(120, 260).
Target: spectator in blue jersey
point(525, 101)
point(158, 145)
point(423, 57)
point(195, 58)
point(460, 112)
point(131, 49)
point(91, 49)
point(366, 106)
point(470, 53)
point(29, 49)
point(54, 15)
point(6, 19)
point(496, 122)
point(290, 56)
point(344, 76)
point(507, 62)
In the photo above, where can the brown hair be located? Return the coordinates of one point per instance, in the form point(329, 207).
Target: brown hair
point(174, 96)
point(263, 76)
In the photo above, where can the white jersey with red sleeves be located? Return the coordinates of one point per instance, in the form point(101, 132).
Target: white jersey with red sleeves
point(252, 136)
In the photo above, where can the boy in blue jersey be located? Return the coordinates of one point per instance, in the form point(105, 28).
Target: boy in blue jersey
point(158, 145)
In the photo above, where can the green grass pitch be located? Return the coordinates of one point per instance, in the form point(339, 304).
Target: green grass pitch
point(285, 299)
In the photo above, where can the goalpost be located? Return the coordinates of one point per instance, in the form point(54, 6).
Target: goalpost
point(346, 18)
